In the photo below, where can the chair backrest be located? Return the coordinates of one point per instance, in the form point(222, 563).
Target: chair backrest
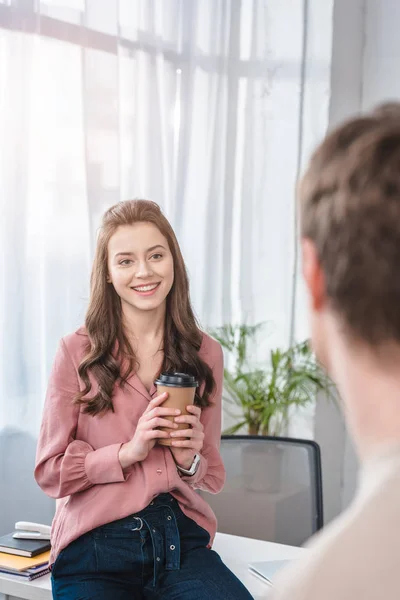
point(273, 489)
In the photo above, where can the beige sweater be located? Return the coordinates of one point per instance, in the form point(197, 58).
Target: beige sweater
point(357, 557)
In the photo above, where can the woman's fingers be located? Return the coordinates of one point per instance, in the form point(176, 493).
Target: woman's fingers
point(153, 434)
point(194, 410)
point(160, 411)
point(194, 443)
point(193, 433)
point(158, 422)
point(190, 420)
point(156, 402)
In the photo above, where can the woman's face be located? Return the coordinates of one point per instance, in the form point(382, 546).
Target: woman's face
point(140, 266)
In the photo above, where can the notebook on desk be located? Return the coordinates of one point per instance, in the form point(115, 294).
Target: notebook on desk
point(23, 547)
point(267, 570)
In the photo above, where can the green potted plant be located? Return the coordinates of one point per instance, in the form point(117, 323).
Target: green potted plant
point(264, 394)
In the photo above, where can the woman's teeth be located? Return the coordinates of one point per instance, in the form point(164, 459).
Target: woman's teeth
point(146, 288)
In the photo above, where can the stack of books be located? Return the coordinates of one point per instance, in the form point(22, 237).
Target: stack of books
point(24, 558)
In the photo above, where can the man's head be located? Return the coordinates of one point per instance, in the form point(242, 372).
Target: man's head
point(350, 228)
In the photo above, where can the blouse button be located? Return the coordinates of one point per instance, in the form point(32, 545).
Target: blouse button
point(159, 471)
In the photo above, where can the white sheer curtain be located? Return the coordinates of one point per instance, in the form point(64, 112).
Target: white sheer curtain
point(192, 103)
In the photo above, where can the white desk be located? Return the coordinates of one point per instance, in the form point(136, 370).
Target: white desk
point(235, 551)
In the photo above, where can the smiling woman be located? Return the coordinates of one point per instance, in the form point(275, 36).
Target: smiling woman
point(103, 420)
point(136, 250)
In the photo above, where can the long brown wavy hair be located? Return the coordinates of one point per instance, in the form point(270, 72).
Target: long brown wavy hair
point(110, 358)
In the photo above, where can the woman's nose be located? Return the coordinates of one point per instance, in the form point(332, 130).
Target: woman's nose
point(144, 270)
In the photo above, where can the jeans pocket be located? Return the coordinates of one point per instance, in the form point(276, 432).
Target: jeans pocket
point(77, 557)
point(56, 563)
point(123, 528)
point(119, 550)
point(192, 535)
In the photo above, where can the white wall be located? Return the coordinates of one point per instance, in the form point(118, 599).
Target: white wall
point(381, 66)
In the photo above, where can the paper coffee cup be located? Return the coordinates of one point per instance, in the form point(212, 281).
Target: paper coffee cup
point(181, 390)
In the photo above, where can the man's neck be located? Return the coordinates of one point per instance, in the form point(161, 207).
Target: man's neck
point(369, 385)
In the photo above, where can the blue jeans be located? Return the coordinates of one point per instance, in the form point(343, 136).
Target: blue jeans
point(156, 553)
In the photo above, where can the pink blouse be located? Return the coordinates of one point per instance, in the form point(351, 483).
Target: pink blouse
point(77, 454)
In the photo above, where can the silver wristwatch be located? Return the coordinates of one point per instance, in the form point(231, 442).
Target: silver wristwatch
point(193, 468)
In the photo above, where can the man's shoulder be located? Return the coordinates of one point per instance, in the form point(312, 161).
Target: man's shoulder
point(361, 544)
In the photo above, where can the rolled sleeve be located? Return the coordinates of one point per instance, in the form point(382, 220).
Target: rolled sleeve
point(103, 466)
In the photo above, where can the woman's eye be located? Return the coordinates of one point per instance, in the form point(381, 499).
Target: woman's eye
point(125, 262)
point(157, 256)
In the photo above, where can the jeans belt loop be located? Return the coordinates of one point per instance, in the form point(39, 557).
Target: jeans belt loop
point(172, 541)
point(140, 524)
point(155, 551)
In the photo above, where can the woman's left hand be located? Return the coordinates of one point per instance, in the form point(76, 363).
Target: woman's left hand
point(184, 451)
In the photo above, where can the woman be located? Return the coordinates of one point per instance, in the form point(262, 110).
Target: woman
point(130, 524)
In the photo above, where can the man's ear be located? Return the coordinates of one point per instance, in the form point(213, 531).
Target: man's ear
point(313, 274)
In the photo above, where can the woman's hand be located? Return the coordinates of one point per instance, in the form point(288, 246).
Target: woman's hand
point(147, 434)
point(184, 451)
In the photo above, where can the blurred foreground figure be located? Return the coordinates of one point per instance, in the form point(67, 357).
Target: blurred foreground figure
point(350, 233)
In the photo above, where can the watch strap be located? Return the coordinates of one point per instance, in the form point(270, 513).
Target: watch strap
point(193, 468)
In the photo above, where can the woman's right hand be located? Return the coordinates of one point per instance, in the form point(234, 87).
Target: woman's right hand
point(146, 434)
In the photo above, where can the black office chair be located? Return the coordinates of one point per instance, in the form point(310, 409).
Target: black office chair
point(273, 489)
